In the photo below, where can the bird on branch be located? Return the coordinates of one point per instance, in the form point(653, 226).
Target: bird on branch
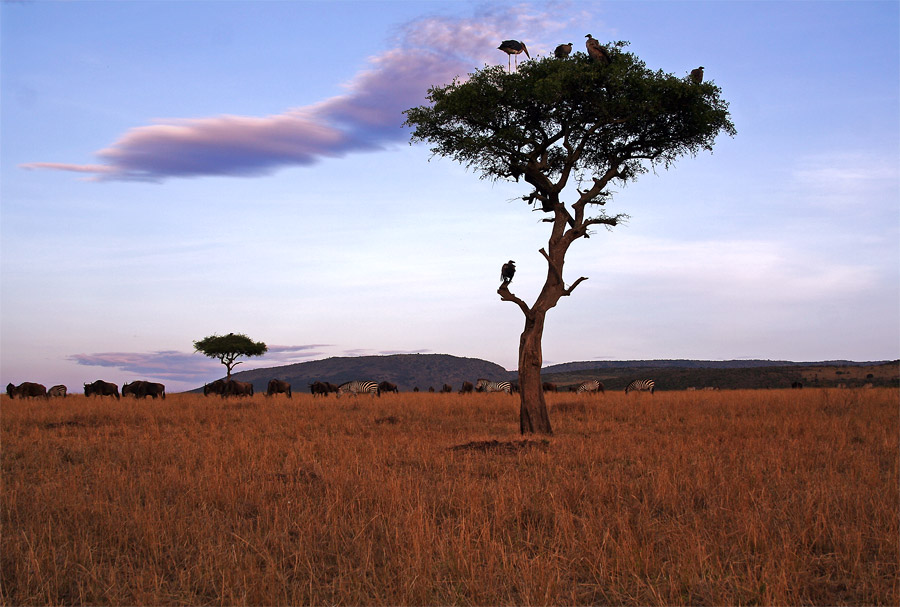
point(596, 50)
point(562, 51)
point(697, 75)
point(513, 47)
point(508, 271)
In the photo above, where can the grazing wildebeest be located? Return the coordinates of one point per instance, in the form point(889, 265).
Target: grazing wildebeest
point(387, 386)
point(143, 389)
point(277, 386)
point(58, 390)
point(238, 388)
point(216, 387)
point(447, 389)
point(101, 388)
point(548, 387)
point(467, 387)
point(796, 385)
point(322, 387)
point(26, 390)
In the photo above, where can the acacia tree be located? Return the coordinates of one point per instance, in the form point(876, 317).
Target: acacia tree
point(561, 122)
point(227, 348)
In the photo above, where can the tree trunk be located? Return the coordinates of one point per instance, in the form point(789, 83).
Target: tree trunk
point(533, 417)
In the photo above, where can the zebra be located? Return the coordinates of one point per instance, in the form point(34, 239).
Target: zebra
point(641, 385)
point(484, 385)
point(591, 385)
point(358, 387)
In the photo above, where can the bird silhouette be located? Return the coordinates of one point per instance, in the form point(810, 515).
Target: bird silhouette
point(508, 271)
point(513, 47)
point(596, 51)
point(562, 51)
point(697, 75)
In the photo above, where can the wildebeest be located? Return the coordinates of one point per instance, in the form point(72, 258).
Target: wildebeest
point(228, 387)
point(238, 388)
point(101, 388)
point(58, 390)
point(467, 387)
point(322, 387)
point(548, 387)
point(447, 389)
point(277, 386)
point(387, 386)
point(796, 385)
point(26, 390)
point(143, 389)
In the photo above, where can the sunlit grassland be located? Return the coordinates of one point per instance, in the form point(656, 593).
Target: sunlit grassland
point(733, 497)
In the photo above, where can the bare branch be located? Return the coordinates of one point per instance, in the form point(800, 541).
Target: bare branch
point(574, 284)
point(506, 295)
point(552, 266)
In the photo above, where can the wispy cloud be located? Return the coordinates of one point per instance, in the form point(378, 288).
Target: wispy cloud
point(190, 366)
point(427, 51)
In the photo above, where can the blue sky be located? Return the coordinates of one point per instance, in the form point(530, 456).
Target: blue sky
point(172, 170)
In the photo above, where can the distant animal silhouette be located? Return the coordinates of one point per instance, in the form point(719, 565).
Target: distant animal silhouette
point(697, 75)
point(596, 51)
point(513, 47)
point(562, 51)
point(508, 271)
point(277, 386)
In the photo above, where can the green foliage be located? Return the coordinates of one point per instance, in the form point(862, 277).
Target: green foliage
point(227, 348)
point(562, 116)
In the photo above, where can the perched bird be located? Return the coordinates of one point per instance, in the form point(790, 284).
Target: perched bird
point(697, 75)
point(508, 271)
point(596, 51)
point(513, 47)
point(562, 51)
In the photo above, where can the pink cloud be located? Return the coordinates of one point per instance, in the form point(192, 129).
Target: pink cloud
point(368, 117)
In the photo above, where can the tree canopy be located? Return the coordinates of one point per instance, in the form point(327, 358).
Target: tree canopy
point(227, 348)
point(561, 121)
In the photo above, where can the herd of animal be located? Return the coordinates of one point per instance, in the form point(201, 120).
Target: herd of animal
point(230, 387)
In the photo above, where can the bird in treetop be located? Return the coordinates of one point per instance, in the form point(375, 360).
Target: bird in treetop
point(596, 50)
point(508, 271)
point(562, 51)
point(513, 47)
point(697, 75)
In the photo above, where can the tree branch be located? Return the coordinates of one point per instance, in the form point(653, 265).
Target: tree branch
point(574, 284)
point(506, 295)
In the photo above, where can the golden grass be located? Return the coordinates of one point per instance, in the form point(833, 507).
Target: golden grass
point(723, 498)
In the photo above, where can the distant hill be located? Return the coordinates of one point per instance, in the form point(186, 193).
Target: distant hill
point(406, 370)
point(739, 374)
point(434, 370)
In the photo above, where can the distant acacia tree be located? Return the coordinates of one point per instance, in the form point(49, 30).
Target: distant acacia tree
point(562, 121)
point(227, 348)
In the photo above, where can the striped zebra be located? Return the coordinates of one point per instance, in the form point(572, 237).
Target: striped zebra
point(359, 387)
point(641, 385)
point(484, 385)
point(591, 385)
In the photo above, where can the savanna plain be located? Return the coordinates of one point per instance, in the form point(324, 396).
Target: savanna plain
point(765, 497)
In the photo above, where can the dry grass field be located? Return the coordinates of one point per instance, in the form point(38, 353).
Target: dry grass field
point(760, 497)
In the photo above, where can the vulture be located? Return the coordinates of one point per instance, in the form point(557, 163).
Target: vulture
point(562, 51)
point(596, 51)
point(513, 47)
point(697, 75)
point(508, 271)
